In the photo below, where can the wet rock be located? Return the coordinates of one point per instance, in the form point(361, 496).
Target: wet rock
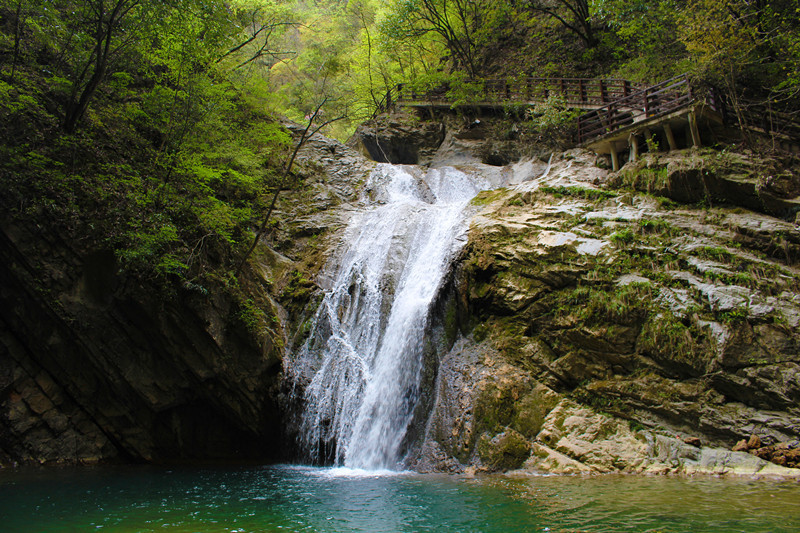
point(740, 446)
point(505, 451)
point(599, 442)
point(670, 455)
point(676, 324)
point(711, 176)
point(545, 460)
point(693, 441)
point(122, 370)
point(399, 139)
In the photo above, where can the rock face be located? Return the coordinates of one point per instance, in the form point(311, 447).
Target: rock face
point(609, 330)
point(768, 186)
point(96, 366)
point(399, 139)
point(92, 371)
point(405, 137)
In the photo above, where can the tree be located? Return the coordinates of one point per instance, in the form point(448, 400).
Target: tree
point(645, 41)
point(104, 22)
point(287, 180)
point(745, 43)
point(575, 15)
point(458, 23)
point(263, 27)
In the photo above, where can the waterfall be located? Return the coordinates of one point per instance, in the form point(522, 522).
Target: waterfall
point(362, 363)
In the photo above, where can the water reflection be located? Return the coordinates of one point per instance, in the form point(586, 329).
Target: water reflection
point(307, 499)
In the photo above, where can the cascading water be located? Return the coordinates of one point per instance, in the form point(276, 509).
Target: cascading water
point(362, 362)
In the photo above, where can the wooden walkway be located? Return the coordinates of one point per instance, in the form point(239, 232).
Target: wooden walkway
point(618, 114)
point(651, 103)
point(577, 92)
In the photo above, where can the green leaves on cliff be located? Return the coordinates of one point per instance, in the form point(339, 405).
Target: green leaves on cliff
point(127, 124)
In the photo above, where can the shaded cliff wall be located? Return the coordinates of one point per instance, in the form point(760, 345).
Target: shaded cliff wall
point(96, 367)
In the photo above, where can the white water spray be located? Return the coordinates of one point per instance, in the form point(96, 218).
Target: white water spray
point(363, 360)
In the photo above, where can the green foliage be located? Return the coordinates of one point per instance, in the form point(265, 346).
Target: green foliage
point(299, 288)
point(252, 317)
point(623, 237)
point(656, 226)
point(170, 159)
point(742, 41)
point(553, 116)
point(667, 337)
point(652, 179)
point(621, 305)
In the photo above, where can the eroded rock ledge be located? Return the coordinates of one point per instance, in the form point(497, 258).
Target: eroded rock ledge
point(612, 330)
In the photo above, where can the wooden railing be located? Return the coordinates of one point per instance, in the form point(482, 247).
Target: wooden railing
point(765, 119)
point(618, 103)
point(575, 91)
point(652, 102)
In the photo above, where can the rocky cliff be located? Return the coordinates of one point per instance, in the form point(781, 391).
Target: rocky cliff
point(97, 365)
point(639, 321)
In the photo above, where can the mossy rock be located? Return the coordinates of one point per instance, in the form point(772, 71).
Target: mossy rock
point(505, 451)
point(532, 410)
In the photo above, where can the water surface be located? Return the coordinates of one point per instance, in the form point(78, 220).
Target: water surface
point(287, 498)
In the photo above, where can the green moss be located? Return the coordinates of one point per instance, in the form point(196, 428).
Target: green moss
point(649, 179)
point(667, 338)
point(656, 226)
point(623, 237)
point(299, 287)
point(578, 192)
point(602, 403)
point(717, 253)
point(506, 451)
point(480, 332)
point(494, 408)
point(251, 316)
point(616, 304)
point(451, 322)
point(531, 412)
point(487, 197)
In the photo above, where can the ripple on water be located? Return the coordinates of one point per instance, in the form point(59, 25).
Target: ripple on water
point(291, 498)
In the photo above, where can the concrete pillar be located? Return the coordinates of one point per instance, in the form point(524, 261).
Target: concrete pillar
point(614, 157)
point(648, 136)
point(633, 142)
point(670, 136)
point(695, 131)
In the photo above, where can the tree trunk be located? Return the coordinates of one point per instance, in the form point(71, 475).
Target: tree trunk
point(17, 39)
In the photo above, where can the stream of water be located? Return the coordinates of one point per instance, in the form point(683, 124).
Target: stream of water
point(362, 362)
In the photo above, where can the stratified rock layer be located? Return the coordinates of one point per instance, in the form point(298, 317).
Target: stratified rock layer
point(94, 371)
point(616, 331)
